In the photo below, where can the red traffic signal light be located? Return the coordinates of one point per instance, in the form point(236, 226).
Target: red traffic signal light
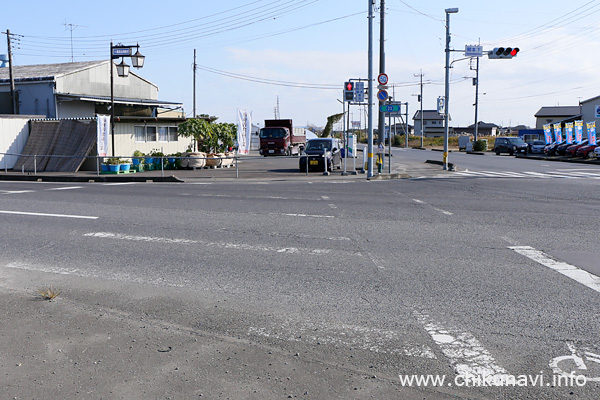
point(349, 91)
point(503, 52)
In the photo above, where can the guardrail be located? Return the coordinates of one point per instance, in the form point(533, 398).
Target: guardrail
point(98, 158)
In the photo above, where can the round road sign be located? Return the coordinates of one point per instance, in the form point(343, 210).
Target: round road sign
point(382, 95)
point(382, 79)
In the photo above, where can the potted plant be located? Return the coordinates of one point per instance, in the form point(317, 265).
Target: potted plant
point(137, 158)
point(124, 166)
point(113, 164)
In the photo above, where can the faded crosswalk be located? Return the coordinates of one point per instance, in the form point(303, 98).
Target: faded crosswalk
point(562, 174)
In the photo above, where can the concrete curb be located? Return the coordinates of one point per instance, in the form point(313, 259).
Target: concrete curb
point(105, 179)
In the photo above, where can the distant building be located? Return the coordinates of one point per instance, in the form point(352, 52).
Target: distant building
point(433, 123)
point(483, 129)
point(550, 115)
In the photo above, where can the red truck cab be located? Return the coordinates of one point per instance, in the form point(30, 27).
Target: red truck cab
point(279, 138)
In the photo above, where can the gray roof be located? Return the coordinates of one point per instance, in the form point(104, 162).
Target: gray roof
point(558, 111)
point(46, 71)
point(428, 114)
point(484, 125)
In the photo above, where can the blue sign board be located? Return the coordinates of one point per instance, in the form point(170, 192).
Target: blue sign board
point(121, 52)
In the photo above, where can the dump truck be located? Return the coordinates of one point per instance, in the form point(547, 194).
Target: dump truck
point(280, 138)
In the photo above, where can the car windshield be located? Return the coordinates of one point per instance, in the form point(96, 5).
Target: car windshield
point(516, 140)
point(318, 144)
point(539, 142)
point(272, 133)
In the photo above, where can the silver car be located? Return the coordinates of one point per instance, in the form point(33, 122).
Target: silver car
point(537, 146)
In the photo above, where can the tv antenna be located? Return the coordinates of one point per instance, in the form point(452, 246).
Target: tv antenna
point(71, 27)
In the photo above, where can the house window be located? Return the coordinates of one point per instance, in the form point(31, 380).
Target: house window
point(172, 134)
point(150, 134)
point(140, 134)
point(162, 133)
point(153, 133)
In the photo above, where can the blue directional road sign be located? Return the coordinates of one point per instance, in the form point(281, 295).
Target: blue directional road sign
point(389, 108)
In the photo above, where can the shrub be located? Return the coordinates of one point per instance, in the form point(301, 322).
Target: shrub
point(480, 145)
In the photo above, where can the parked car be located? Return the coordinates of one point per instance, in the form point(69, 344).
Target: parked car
point(597, 152)
point(586, 151)
point(574, 147)
point(537, 146)
point(510, 145)
point(551, 148)
point(313, 153)
point(561, 150)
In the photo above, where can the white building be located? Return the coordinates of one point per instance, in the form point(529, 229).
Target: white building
point(82, 90)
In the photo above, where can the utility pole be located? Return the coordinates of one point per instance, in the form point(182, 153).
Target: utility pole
point(447, 86)
point(421, 101)
point(370, 107)
point(476, 98)
point(195, 67)
point(13, 92)
point(381, 124)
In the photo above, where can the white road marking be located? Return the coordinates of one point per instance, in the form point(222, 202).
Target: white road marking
point(17, 191)
point(304, 215)
point(466, 354)
point(65, 188)
point(325, 197)
point(332, 206)
point(369, 339)
point(435, 208)
point(46, 215)
point(223, 245)
point(119, 183)
point(90, 273)
point(568, 270)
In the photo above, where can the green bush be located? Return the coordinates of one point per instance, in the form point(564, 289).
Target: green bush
point(480, 145)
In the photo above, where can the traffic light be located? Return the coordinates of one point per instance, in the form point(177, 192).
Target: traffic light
point(503, 52)
point(349, 91)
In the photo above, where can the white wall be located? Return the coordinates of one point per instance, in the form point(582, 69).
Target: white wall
point(14, 131)
point(125, 143)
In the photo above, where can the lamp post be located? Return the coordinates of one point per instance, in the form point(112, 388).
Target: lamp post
point(446, 84)
point(123, 71)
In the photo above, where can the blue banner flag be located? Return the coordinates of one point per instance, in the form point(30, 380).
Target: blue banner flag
point(569, 132)
point(548, 133)
point(557, 133)
point(578, 131)
point(591, 131)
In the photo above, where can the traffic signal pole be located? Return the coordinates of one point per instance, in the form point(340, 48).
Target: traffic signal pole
point(381, 121)
point(371, 97)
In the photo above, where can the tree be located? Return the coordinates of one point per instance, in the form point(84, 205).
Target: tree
point(201, 130)
point(210, 137)
point(332, 119)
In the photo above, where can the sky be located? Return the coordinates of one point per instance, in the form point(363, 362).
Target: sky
point(258, 55)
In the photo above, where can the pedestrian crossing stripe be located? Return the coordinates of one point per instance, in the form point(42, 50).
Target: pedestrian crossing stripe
point(523, 174)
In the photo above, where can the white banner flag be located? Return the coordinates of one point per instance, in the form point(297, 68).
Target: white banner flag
point(243, 132)
point(102, 130)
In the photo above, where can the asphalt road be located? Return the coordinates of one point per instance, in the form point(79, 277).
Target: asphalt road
point(310, 289)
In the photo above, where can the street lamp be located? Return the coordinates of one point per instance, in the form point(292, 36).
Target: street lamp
point(446, 84)
point(137, 60)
